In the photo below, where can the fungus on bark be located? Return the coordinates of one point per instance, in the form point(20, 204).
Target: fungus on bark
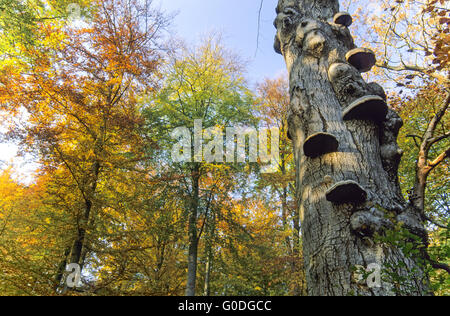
point(346, 192)
point(343, 18)
point(371, 107)
point(362, 59)
point(330, 97)
point(320, 144)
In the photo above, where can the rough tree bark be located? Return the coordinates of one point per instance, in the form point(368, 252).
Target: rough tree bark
point(346, 154)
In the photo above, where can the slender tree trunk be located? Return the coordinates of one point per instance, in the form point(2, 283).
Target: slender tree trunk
point(62, 267)
point(77, 251)
point(81, 233)
point(209, 255)
point(193, 238)
point(209, 258)
point(292, 243)
point(297, 266)
point(346, 154)
point(77, 248)
point(284, 201)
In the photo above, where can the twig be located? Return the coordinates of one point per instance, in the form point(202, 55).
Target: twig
point(259, 24)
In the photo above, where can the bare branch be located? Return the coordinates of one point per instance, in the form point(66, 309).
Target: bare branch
point(259, 25)
point(439, 138)
point(439, 159)
point(405, 67)
point(437, 265)
point(415, 137)
point(428, 136)
point(436, 223)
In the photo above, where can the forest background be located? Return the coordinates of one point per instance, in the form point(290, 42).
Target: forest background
point(89, 93)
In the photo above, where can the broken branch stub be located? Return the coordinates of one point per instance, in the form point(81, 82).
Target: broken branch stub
point(360, 100)
point(366, 223)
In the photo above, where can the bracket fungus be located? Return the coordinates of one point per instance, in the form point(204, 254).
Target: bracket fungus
point(343, 18)
point(362, 59)
point(371, 107)
point(320, 144)
point(346, 192)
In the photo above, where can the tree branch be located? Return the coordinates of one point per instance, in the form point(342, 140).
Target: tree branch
point(439, 138)
point(259, 25)
point(405, 67)
point(436, 223)
point(439, 159)
point(439, 265)
point(415, 137)
point(428, 136)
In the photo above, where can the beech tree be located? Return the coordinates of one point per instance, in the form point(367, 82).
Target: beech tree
point(96, 102)
point(418, 110)
point(345, 146)
point(203, 83)
point(82, 100)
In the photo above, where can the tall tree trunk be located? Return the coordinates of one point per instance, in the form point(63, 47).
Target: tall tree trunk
point(346, 154)
point(209, 255)
point(62, 267)
point(193, 238)
point(298, 265)
point(78, 245)
point(292, 242)
point(209, 258)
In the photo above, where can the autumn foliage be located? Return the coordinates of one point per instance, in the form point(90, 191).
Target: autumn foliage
point(93, 103)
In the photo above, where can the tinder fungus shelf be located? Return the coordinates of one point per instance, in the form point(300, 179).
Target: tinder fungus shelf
point(320, 144)
point(343, 18)
point(346, 192)
point(371, 107)
point(362, 59)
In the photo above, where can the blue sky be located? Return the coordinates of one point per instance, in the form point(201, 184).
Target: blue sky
point(237, 20)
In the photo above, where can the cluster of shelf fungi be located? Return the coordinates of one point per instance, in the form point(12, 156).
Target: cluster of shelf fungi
point(360, 101)
point(345, 146)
